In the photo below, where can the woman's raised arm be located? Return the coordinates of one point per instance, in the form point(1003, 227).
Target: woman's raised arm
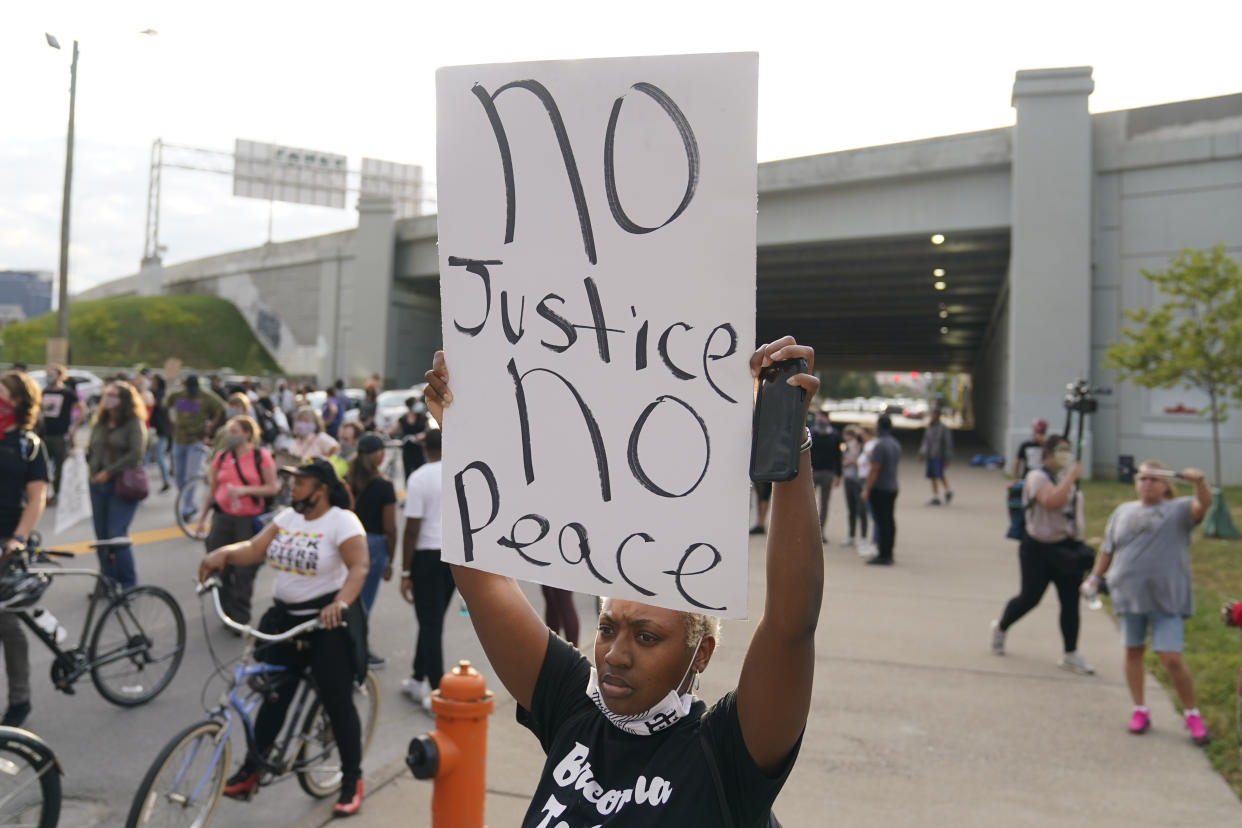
point(774, 691)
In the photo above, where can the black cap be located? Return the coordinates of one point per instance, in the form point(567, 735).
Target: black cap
point(315, 467)
point(370, 442)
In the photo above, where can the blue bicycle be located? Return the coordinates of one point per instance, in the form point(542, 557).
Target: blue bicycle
point(184, 784)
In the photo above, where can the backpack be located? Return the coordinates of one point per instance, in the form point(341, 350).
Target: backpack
point(28, 448)
point(268, 502)
point(268, 431)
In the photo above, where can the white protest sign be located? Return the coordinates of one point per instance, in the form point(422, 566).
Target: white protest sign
point(597, 272)
point(73, 505)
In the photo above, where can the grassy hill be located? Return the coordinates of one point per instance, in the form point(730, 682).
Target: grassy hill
point(201, 331)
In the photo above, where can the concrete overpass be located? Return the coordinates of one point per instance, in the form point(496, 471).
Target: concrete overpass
point(1045, 228)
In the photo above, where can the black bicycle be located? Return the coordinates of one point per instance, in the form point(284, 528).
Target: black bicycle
point(29, 780)
point(184, 783)
point(132, 651)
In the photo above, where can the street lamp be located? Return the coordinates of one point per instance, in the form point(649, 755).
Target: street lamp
point(62, 314)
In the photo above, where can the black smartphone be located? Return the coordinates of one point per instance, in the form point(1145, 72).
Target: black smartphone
point(776, 436)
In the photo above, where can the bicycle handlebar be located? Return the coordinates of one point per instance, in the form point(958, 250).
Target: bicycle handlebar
point(212, 584)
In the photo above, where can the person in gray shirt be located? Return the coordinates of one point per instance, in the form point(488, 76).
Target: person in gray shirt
point(937, 451)
point(1146, 553)
point(880, 490)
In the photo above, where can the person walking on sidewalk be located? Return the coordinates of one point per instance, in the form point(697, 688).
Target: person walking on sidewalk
point(825, 463)
point(23, 494)
point(118, 442)
point(1146, 556)
point(937, 451)
point(851, 467)
point(1048, 553)
point(880, 490)
point(610, 726)
point(426, 581)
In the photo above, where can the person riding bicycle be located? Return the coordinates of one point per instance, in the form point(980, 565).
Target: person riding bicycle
point(629, 716)
point(318, 549)
point(240, 476)
point(23, 493)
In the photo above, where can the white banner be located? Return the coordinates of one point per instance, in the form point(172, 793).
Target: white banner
point(73, 504)
point(597, 270)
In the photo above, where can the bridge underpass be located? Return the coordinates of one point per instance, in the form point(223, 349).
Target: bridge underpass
point(872, 304)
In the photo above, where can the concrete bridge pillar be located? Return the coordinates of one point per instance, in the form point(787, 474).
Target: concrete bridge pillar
point(369, 308)
point(1050, 264)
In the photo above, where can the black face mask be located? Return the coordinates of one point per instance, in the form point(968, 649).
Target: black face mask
point(305, 504)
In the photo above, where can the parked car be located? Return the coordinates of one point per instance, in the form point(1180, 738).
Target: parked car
point(391, 405)
point(89, 386)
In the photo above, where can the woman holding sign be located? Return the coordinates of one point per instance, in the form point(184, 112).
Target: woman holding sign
point(626, 741)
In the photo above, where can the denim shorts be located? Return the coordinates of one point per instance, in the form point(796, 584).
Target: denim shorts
point(1166, 630)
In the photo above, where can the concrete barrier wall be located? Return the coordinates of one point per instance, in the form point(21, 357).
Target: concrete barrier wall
point(1167, 178)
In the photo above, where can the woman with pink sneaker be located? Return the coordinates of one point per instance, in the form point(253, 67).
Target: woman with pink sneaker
point(1147, 546)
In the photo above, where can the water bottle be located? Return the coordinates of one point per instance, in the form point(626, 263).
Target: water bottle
point(234, 500)
point(1091, 593)
point(48, 623)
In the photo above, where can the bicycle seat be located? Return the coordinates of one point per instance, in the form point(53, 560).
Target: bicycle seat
point(110, 543)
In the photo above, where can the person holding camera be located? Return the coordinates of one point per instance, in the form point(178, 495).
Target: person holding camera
point(1050, 551)
point(1146, 554)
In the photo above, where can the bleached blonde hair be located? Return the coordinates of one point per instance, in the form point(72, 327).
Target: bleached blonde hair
point(698, 625)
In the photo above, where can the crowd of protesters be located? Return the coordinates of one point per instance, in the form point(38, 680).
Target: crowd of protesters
point(240, 433)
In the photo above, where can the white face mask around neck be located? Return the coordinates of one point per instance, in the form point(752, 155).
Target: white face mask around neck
point(660, 716)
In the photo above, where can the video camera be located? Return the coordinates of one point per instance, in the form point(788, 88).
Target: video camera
point(1081, 397)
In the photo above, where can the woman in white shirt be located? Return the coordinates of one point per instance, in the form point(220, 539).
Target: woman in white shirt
point(318, 549)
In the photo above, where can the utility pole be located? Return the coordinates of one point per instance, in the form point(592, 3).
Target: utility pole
point(62, 315)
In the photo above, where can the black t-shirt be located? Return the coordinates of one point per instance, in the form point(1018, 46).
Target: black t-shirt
point(598, 775)
point(58, 410)
point(826, 451)
point(15, 472)
point(369, 506)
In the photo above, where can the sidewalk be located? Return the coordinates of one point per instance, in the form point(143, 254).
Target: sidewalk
point(914, 721)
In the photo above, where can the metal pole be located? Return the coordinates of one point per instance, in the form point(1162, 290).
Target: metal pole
point(62, 316)
point(151, 242)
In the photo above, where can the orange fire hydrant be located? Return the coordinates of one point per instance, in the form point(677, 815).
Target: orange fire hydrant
point(455, 753)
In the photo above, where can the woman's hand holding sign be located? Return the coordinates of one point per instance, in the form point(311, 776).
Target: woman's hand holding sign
point(437, 394)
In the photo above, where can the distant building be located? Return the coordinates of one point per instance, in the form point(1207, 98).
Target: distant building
point(10, 314)
point(29, 289)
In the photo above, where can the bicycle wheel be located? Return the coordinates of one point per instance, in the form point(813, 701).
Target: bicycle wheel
point(183, 784)
point(188, 504)
point(319, 766)
point(29, 781)
point(137, 646)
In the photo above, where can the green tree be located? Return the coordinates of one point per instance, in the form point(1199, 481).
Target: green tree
point(1193, 340)
point(845, 385)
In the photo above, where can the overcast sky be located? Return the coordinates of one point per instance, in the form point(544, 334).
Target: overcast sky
point(358, 79)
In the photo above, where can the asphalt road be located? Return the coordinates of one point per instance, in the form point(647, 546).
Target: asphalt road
point(105, 750)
